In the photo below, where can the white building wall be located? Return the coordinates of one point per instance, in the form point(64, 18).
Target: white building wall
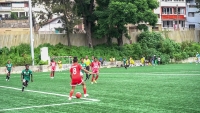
point(50, 27)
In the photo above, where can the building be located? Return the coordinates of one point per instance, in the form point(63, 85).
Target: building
point(20, 7)
point(193, 18)
point(53, 25)
point(173, 14)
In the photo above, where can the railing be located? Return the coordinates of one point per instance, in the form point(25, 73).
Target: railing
point(5, 8)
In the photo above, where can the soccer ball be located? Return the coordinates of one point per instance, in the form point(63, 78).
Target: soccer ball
point(78, 95)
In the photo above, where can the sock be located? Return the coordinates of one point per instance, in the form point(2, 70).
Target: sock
point(92, 78)
point(96, 77)
point(8, 77)
point(71, 93)
point(84, 90)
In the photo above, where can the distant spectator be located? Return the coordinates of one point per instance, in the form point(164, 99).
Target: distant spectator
point(159, 59)
point(124, 63)
point(101, 60)
point(197, 57)
point(104, 61)
point(153, 60)
point(131, 62)
point(114, 61)
point(142, 61)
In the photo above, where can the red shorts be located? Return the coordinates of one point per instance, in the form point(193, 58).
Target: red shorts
point(75, 82)
point(95, 71)
point(53, 68)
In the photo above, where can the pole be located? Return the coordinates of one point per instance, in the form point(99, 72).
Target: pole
point(177, 16)
point(31, 31)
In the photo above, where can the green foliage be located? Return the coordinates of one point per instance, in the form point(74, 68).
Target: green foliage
point(43, 62)
point(14, 15)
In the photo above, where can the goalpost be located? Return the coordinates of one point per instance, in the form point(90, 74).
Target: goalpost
point(64, 59)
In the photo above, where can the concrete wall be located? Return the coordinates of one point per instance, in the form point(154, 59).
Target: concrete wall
point(14, 24)
point(37, 68)
point(44, 68)
point(14, 38)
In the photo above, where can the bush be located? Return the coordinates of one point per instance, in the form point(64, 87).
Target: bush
point(14, 15)
point(149, 44)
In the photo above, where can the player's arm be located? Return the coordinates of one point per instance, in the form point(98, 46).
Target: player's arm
point(6, 68)
point(49, 65)
point(86, 71)
point(31, 77)
point(22, 76)
point(70, 75)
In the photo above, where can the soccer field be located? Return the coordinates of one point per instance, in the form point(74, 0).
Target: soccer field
point(168, 88)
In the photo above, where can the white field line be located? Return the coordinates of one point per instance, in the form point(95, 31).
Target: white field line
point(41, 106)
point(151, 73)
point(41, 92)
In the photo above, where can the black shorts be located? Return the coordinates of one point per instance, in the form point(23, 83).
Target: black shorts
point(9, 71)
point(88, 68)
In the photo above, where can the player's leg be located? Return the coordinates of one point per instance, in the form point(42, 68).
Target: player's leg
point(9, 74)
point(97, 76)
point(71, 92)
point(84, 89)
point(24, 84)
point(53, 73)
point(87, 76)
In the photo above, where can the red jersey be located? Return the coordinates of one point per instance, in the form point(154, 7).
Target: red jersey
point(75, 71)
point(95, 65)
point(53, 64)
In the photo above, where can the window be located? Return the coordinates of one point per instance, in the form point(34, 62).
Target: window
point(179, 0)
point(6, 15)
point(181, 23)
point(166, 10)
point(5, 5)
point(191, 26)
point(155, 28)
point(192, 6)
point(59, 21)
point(167, 0)
point(167, 23)
point(181, 10)
point(190, 14)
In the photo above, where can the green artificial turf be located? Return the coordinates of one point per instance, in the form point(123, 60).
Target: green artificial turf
point(173, 88)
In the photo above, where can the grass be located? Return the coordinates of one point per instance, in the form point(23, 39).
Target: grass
point(173, 88)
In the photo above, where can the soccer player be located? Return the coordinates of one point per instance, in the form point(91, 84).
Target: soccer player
point(83, 65)
point(53, 68)
point(95, 70)
point(8, 68)
point(26, 75)
point(124, 63)
point(87, 62)
point(60, 65)
point(76, 78)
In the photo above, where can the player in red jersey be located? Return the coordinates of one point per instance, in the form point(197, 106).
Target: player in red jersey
point(95, 65)
point(76, 78)
point(53, 68)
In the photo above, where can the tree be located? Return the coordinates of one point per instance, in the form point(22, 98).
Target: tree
point(116, 14)
point(198, 5)
point(85, 10)
point(67, 9)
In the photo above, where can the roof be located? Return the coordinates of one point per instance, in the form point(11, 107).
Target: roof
point(49, 21)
